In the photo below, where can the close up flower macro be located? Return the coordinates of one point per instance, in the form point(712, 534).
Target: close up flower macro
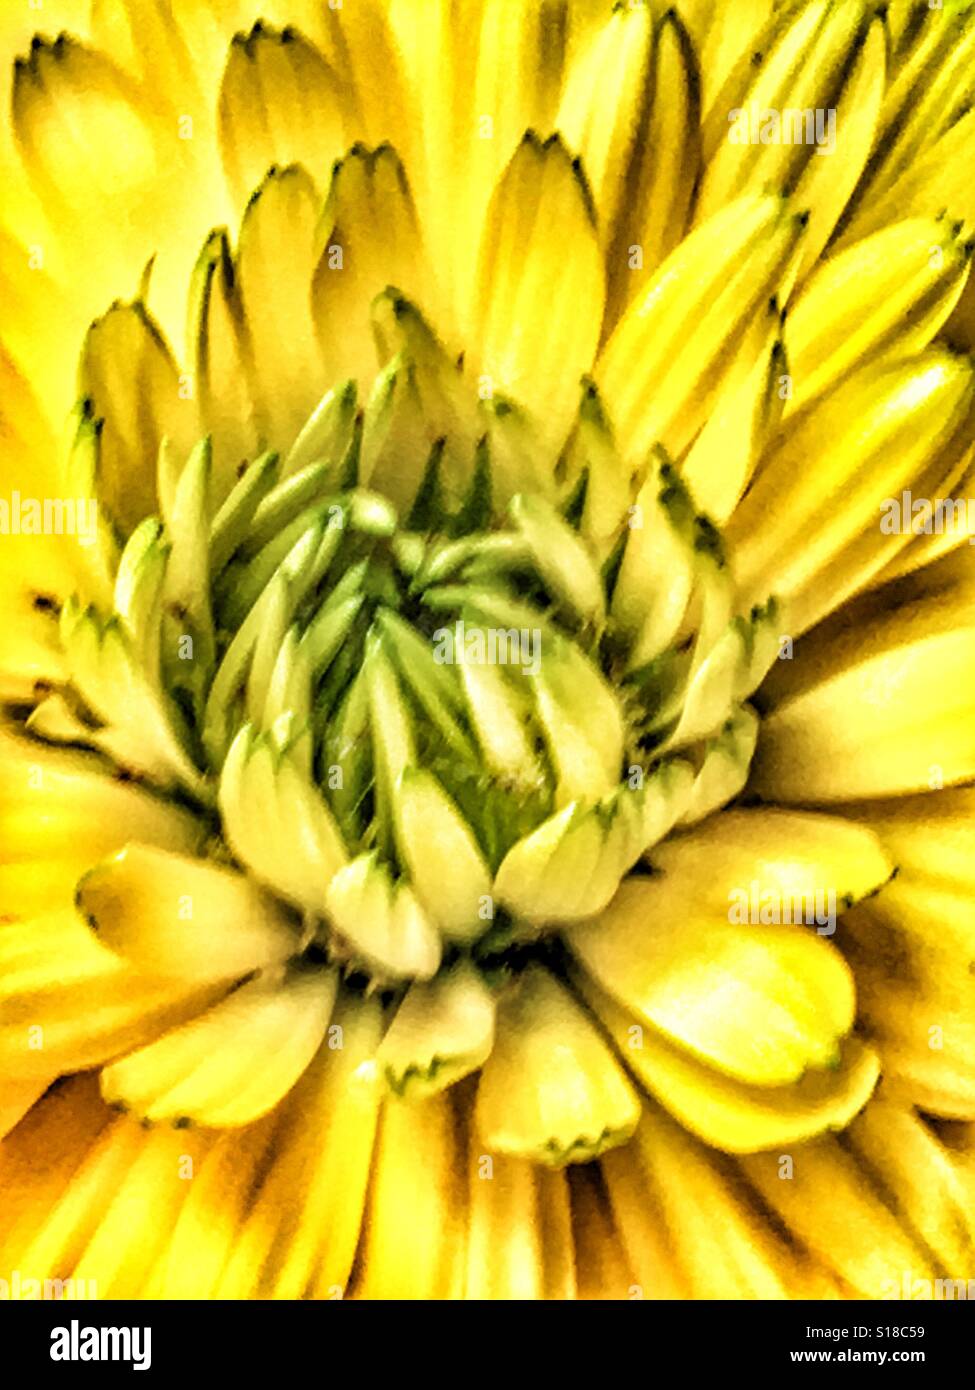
point(487, 648)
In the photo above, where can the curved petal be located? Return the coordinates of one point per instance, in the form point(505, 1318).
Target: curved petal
point(541, 285)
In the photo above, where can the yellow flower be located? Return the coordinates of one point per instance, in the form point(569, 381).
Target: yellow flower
point(488, 673)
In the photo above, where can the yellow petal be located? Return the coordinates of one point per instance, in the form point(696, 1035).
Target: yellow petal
point(68, 1003)
point(932, 181)
point(725, 768)
point(726, 1113)
point(955, 531)
point(591, 451)
point(544, 877)
point(931, 838)
point(368, 238)
point(828, 1204)
point(720, 1242)
point(39, 1157)
point(602, 1265)
point(540, 285)
point(664, 363)
point(135, 386)
point(479, 73)
point(360, 44)
point(35, 887)
point(791, 857)
point(570, 867)
point(233, 1063)
point(761, 1003)
point(432, 408)
point(884, 429)
point(414, 1238)
point(918, 1178)
point(899, 19)
point(604, 107)
point(119, 1257)
point(31, 660)
point(222, 362)
point(38, 336)
point(183, 918)
point(653, 220)
point(656, 574)
point(83, 126)
point(640, 1231)
point(551, 1090)
point(721, 33)
point(444, 861)
point(59, 1239)
point(144, 37)
point(378, 920)
point(827, 182)
point(277, 822)
point(300, 1232)
point(801, 70)
point(50, 799)
point(274, 264)
point(926, 93)
point(829, 732)
point(889, 292)
point(920, 931)
point(916, 996)
point(208, 1225)
point(719, 464)
point(16, 1098)
point(441, 1031)
point(519, 1243)
point(280, 103)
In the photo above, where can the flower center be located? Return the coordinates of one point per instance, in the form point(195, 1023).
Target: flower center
point(450, 723)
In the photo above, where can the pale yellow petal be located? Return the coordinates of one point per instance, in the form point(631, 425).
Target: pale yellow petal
point(280, 103)
point(415, 1223)
point(551, 1090)
point(235, 1062)
point(827, 1202)
point(540, 285)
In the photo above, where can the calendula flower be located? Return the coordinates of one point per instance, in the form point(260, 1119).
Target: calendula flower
point(487, 668)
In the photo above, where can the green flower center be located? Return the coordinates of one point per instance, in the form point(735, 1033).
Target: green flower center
point(450, 724)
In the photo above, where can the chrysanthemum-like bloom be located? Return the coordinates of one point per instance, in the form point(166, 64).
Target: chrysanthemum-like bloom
point(488, 669)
